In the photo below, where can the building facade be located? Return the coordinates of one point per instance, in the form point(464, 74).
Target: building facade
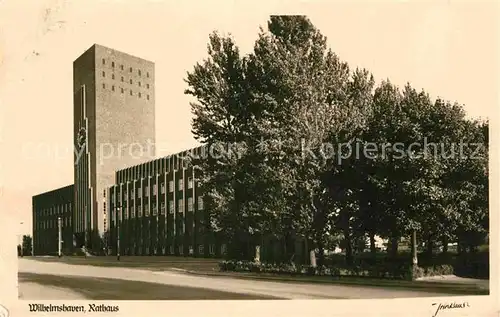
point(157, 208)
point(114, 127)
point(47, 208)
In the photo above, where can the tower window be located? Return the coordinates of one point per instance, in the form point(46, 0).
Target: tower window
point(140, 95)
point(121, 90)
point(113, 88)
point(130, 69)
point(103, 61)
point(112, 76)
point(104, 86)
point(131, 81)
point(113, 64)
point(147, 74)
point(121, 67)
point(122, 78)
point(139, 83)
point(147, 86)
point(103, 74)
point(131, 93)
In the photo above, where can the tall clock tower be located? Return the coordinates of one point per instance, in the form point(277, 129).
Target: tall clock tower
point(113, 128)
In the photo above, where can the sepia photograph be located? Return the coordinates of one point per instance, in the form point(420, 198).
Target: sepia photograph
point(170, 151)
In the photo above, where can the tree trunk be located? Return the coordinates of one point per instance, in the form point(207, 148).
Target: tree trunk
point(394, 246)
point(373, 248)
point(348, 246)
point(430, 246)
point(445, 244)
point(414, 248)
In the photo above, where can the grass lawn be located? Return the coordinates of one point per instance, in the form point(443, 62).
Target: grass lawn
point(115, 289)
point(209, 267)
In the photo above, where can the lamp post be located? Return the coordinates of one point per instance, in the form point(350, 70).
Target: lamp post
point(117, 212)
point(59, 237)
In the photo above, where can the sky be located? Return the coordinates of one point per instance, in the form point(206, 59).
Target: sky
point(448, 48)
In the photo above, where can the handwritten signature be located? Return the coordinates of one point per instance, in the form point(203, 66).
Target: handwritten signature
point(449, 306)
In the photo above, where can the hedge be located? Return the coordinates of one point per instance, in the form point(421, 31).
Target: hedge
point(381, 270)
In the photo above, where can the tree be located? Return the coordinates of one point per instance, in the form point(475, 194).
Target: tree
point(27, 245)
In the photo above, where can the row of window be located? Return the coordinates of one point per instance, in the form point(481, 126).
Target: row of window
point(139, 72)
point(180, 248)
point(155, 189)
point(122, 90)
point(171, 209)
point(55, 210)
point(52, 223)
point(139, 83)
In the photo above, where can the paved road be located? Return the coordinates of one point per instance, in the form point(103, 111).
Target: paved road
point(41, 273)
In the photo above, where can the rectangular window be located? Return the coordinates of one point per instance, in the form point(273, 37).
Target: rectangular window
point(146, 191)
point(113, 64)
point(125, 213)
point(155, 209)
point(180, 205)
point(171, 207)
point(125, 193)
point(181, 249)
point(113, 88)
point(122, 78)
point(121, 67)
point(139, 193)
point(121, 89)
point(139, 83)
point(139, 212)
point(139, 94)
point(155, 189)
point(130, 69)
point(162, 188)
point(147, 74)
point(223, 249)
point(190, 182)
point(131, 81)
point(146, 210)
point(104, 86)
point(170, 186)
point(103, 61)
point(131, 93)
point(211, 249)
point(112, 76)
point(139, 71)
point(171, 249)
point(190, 204)
point(201, 249)
point(148, 97)
point(200, 202)
point(103, 74)
point(181, 184)
point(132, 212)
point(147, 86)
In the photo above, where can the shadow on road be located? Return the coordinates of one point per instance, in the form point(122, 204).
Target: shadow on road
point(116, 289)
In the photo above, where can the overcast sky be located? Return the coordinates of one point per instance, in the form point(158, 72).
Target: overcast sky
point(447, 48)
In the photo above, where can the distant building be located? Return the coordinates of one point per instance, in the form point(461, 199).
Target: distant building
point(47, 208)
